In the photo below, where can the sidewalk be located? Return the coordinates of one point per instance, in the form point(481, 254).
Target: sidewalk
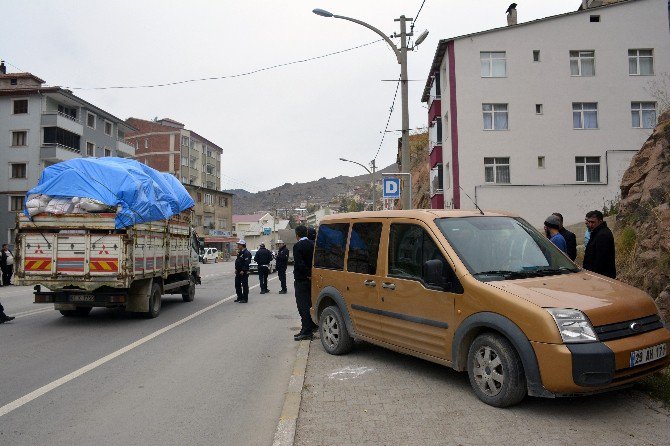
point(373, 396)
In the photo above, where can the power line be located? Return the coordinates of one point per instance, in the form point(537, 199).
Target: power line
point(230, 76)
point(395, 95)
point(416, 17)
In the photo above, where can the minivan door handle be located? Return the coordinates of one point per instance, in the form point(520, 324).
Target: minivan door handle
point(388, 285)
point(370, 283)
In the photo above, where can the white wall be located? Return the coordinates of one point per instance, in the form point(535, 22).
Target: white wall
point(640, 24)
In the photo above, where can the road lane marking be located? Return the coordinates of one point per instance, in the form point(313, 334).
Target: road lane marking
point(7, 408)
point(31, 312)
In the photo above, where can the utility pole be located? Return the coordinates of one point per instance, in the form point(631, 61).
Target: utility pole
point(406, 191)
point(373, 164)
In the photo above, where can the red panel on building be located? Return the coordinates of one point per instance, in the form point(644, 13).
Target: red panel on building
point(435, 110)
point(435, 156)
point(437, 201)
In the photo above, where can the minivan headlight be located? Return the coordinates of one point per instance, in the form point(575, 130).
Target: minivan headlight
point(573, 325)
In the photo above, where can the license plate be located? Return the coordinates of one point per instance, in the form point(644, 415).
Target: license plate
point(82, 298)
point(648, 354)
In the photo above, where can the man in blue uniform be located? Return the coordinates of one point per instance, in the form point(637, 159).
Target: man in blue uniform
point(242, 263)
point(303, 252)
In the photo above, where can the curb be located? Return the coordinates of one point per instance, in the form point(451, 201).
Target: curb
point(286, 428)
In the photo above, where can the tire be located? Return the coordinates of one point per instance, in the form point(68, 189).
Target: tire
point(334, 335)
point(495, 371)
point(154, 302)
point(77, 312)
point(216, 260)
point(188, 292)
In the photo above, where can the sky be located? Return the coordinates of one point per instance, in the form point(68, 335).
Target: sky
point(287, 124)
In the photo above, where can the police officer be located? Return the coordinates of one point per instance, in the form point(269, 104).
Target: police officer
point(263, 258)
point(303, 252)
point(242, 263)
point(282, 264)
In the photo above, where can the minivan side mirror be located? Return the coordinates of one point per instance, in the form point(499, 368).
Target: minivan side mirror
point(432, 274)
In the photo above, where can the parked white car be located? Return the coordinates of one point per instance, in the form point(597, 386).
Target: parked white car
point(253, 267)
point(209, 255)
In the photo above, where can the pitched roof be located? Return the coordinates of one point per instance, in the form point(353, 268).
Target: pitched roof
point(248, 218)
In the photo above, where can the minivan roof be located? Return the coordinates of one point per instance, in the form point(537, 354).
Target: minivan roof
point(420, 214)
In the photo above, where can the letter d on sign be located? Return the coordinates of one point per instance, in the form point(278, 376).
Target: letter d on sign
point(391, 188)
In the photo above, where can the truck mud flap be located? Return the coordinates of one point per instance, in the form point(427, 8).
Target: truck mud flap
point(138, 296)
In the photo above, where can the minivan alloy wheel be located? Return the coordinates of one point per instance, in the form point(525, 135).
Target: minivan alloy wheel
point(488, 371)
point(331, 331)
point(334, 335)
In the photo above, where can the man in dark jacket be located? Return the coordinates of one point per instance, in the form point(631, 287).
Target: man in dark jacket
point(242, 263)
point(263, 258)
point(303, 253)
point(570, 239)
point(6, 265)
point(282, 265)
point(599, 254)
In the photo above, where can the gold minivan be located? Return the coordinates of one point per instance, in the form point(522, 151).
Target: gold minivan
point(482, 292)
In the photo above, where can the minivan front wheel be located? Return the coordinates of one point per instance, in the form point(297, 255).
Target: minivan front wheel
point(495, 371)
point(334, 335)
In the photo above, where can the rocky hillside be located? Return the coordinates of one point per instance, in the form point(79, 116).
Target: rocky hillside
point(643, 221)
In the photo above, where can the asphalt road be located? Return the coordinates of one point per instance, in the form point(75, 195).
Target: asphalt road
point(114, 378)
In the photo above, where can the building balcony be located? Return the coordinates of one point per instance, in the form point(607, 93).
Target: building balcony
point(437, 201)
point(124, 147)
point(56, 152)
point(63, 121)
point(435, 155)
point(434, 108)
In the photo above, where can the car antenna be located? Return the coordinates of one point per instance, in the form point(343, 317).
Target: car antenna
point(473, 201)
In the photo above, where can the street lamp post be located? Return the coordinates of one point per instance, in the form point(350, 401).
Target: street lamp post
point(373, 165)
point(401, 56)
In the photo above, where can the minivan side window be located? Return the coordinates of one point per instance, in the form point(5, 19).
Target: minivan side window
point(364, 248)
point(410, 247)
point(330, 246)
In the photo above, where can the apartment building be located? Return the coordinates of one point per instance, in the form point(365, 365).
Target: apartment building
point(546, 115)
point(40, 126)
point(166, 145)
point(258, 228)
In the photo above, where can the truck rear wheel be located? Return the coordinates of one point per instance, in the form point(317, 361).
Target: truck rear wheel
point(188, 292)
point(154, 302)
point(77, 312)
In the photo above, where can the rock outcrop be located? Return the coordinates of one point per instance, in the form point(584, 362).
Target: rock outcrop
point(643, 221)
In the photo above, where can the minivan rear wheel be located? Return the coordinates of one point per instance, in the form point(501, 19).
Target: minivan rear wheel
point(495, 371)
point(334, 335)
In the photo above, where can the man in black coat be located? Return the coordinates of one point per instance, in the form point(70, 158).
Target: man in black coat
point(242, 263)
point(303, 253)
point(570, 238)
point(263, 258)
point(282, 265)
point(6, 265)
point(599, 254)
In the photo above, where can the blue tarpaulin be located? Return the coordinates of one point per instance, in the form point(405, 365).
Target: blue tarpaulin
point(143, 194)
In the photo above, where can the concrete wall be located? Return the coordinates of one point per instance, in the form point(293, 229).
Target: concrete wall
point(641, 24)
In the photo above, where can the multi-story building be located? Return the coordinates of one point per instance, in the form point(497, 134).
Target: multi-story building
point(40, 126)
point(545, 116)
point(167, 146)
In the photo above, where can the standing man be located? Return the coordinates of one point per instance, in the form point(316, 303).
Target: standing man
point(242, 263)
point(282, 264)
point(599, 254)
point(303, 252)
point(263, 258)
point(570, 238)
point(7, 265)
point(551, 227)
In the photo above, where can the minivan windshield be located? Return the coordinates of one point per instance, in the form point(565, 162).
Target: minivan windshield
point(501, 248)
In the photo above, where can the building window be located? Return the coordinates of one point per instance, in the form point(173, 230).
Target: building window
point(19, 138)
point(199, 197)
point(536, 55)
point(495, 116)
point(198, 220)
point(496, 170)
point(90, 120)
point(184, 141)
point(494, 64)
point(588, 169)
point(540, 162)
point(19, 170)
point(90, 149)
point(68, 112)
point(436, 179)
point(13, 81)
point(57, 136)
point(146, 143)
point(184, 160)
point(539, 109)
point(16, 203)
point(641, 62)
point(108, 152)
point(582, 63)
point(223, 201)
point(209, 199)
point(20, 106)
point(108, 128)
point(643, 114)
point(585, 115)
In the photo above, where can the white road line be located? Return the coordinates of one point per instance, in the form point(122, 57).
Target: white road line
point(7, 408)
point(32, 312)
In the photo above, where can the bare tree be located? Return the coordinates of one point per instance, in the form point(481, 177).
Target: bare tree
point(659, 89)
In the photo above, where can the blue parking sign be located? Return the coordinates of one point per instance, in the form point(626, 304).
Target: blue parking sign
point(391, 188)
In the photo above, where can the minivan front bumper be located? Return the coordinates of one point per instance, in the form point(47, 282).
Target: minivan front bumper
point(589, 367)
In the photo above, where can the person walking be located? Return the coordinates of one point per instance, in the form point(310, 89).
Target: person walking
point(6, 265)
point(570, 238)
point(282, 265)
point(242, 263)
point(263, 258)
point(551, 228)
point(599, 255)
point(303, 253)
point(3, 317)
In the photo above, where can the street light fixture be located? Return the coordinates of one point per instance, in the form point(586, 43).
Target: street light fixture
point(373, 165)
point(401, 56)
